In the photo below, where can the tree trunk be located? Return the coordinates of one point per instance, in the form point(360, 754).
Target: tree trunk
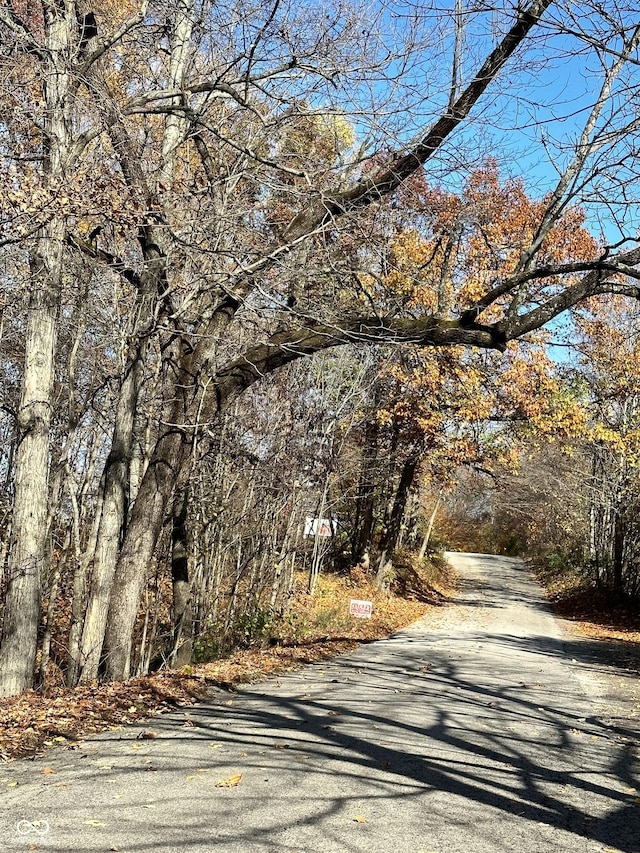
point(145, 526)
point(182, 611)
point(427, 535)
point(112, 521)
point(363, 529)
point(28, 546)
point(392, 533)
point(618, 534)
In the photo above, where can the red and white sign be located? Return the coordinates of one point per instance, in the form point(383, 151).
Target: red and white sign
point(362, 609)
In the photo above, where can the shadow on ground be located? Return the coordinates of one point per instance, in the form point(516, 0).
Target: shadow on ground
point(486, 744)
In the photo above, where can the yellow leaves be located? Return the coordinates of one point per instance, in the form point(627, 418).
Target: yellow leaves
point(337, 130)
point(359, 819)
point(529, 386)
point(94, 823)
point(231, 782)
point(604, 434)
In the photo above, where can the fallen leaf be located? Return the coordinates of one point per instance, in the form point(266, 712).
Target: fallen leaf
point(12, 784)
point(231, 782)
point(94, 822)
point(47, 771)
point(359, 819)
point(147, 736)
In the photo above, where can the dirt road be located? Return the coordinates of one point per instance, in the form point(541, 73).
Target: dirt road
point(489, 730)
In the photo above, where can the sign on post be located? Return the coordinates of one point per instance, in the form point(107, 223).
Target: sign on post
point(320, 526)
point(362, 609)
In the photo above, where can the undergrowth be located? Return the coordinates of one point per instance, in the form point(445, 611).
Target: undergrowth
point(574, 594)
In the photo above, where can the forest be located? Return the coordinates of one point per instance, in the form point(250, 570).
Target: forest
point(297, 288)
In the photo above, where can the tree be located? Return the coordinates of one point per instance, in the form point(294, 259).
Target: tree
point(606, 369)
point(222, 169)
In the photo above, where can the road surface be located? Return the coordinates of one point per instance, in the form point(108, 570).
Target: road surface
point(486, 732)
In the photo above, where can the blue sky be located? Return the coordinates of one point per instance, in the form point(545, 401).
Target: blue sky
point(532, 115)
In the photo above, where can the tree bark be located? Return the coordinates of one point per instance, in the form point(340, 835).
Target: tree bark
point(181, 612)
point(28, 547)
point(145, 526)
point(392, 533)
point(427, 535)
point(112, 521)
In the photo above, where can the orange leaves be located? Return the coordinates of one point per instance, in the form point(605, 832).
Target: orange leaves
point(472, 240)
point(610, 371)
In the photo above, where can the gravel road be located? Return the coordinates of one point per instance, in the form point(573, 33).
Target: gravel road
point(483, 729)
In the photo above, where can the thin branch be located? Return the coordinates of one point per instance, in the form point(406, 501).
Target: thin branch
point(373, 188)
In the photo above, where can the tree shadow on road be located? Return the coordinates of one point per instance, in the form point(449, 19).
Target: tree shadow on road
point(487, 745)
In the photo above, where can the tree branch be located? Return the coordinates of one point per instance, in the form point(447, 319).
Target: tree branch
point(289, 345)
point(592, 284)
point(373, 188)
